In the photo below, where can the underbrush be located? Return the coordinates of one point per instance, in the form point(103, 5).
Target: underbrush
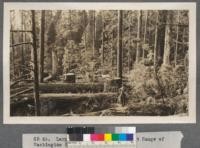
point(162, 91)
point(172, 106)
point(167, 82)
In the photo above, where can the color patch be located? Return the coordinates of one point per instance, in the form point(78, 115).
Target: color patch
point(93, 137)
point(100, 137)
point(91, 130)
point(124, 129)
point(80, 130)
point(115, 137)
point(122, 137)
point(79, 137)
point(97, 137)
point(69, 130)
point(72, 137)
point(128, 130)
point(131, 130)
point(86, 137)
point(129, 137)
point(107, 137)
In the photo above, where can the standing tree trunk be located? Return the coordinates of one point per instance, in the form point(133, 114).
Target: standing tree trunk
point(111, 52)
point(13, 51)
point(94, 45)
point(138, 50)
point(102, 52)
point(54, 62)
point(22, 49)
point(36, 81)
point(129, 49)
point(69, 46)
point(161, 35)
point(94, 33)
point(183, 38)
point(42, 45)
point(155, 41)
point(177, 35)
point(119, 50)
point(167, 47)
point(51, 41)
point(85, 35)
point(145, 32)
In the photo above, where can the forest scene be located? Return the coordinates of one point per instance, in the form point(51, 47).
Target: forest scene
point(99, 62)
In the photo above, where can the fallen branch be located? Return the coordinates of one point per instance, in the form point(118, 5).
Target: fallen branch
point(21, 92)
point(21, 77)
point(105, 112)
point(48, 78)
point(18, 89)
point(15, 31)
point(21, 80)
point(182, 43)
point(23, 43)
point(174, 24)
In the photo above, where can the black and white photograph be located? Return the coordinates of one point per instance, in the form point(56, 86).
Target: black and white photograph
point(98, 64)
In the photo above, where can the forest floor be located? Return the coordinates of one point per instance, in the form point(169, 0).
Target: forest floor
point(62, 99)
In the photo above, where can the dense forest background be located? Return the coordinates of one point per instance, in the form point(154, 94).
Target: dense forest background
point(123, 62)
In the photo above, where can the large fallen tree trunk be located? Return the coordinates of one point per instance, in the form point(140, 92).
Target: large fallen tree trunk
point(78, 96)
point(59, 104)
point(72, 97)
point(71, 87)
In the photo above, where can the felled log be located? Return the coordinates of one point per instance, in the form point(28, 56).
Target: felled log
point(71, 87)
point(51, 103)
point(72, 97)
point(77, 96)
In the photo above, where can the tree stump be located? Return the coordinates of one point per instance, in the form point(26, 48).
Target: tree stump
point(112, 85)
point(70, 78)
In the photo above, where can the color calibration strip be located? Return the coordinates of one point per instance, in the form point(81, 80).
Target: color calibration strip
point(108, 137)
point(87, 137)
point(88, 134)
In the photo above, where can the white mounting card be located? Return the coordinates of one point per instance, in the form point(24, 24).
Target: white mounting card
point(163, 100)
point(147, 139)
